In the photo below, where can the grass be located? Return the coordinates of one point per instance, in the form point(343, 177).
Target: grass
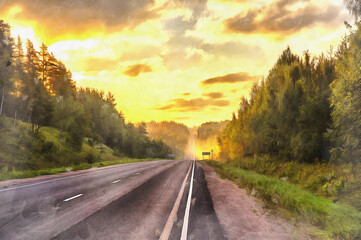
point(34, 173)
point(337, 220)
point(337, 182)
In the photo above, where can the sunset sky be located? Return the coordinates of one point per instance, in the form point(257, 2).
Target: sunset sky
point(188, 61)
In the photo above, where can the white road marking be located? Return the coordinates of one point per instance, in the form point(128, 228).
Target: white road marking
point(173, 214)
point(186, 214)
point(9, 188)
point(137, 173)
point(116, 181)
point(71, 198)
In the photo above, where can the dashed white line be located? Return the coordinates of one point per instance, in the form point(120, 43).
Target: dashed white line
point(9, 188)
point(71, 198)
point(137, 173)
point(186, 214)
point(116, 181)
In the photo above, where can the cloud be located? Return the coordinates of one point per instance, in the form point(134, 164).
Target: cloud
point(95, 64)
point(232, 49)
point(177, 27)
point(280, 17)
point(194, 104)
point(197, 6)
point(214, 95)
point(64, 16)
point(230, 78)
point(136, 69)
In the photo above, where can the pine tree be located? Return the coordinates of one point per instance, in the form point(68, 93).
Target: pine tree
point(6, 67)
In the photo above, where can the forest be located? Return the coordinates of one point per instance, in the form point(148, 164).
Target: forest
point(175, 135)
point(207, 138)
point(39, 100)
point(306, 110)
point(295, 142)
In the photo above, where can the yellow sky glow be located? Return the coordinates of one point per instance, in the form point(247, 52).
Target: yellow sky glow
point(173, 46)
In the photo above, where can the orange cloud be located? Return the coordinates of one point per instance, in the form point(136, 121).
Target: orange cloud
point(214, 95)
point(136, 69)
point(230, 78)
point(195, 104)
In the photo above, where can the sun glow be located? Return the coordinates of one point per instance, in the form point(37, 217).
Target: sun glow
point(177, 45)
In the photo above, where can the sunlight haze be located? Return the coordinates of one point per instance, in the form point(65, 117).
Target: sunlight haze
point(187, 61)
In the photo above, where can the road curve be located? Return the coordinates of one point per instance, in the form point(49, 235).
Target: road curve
point(130, 201)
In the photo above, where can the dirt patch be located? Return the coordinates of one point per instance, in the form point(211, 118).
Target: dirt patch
point(242, 216)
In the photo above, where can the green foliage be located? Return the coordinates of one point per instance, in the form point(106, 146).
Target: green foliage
point(346, 102)
point(207, 137)
point(340, 221)
point(338, 182)
point(55, 117)
point(209, 129)
point(175, 135)
point(287, 114)
point(354, 7)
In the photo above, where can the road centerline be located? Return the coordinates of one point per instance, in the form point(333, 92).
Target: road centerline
point(173, 214)
point(73, 197)
point(116, 181)
point(186, 214)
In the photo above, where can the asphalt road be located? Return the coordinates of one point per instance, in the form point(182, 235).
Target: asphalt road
point(129, 201)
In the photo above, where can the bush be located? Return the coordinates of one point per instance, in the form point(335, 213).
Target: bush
point(340, 221)
point(90, 156)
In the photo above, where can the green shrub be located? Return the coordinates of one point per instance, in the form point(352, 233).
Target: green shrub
point(341, 222)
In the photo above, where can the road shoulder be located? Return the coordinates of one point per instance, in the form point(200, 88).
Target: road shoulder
point(242, 216)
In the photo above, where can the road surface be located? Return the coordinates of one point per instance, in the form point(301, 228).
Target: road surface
point(146, 200)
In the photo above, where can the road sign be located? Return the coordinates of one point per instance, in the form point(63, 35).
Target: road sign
point(206, 153)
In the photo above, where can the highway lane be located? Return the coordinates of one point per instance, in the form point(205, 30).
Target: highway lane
point(37, 210)
point(131, 201)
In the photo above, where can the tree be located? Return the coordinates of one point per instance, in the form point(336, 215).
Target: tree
point(346, 103)
point(6, 54)
point(354, 7)
point(40, 104)
point(18, 77)
point(286, 115)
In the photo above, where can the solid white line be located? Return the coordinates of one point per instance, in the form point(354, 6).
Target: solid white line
point(173, 214)
point(116, 181)
point(68, 199)
point(186, 214)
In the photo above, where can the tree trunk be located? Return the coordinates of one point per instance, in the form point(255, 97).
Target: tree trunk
point(60, 136)
point(27, 124)
point(61, 125)
point(16, 111)
point(2, 101)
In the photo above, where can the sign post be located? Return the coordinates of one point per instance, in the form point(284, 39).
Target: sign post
point(206, 154)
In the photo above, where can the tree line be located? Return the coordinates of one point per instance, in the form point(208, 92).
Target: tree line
point(307, 109)
point(175, 135)
point(38, 89)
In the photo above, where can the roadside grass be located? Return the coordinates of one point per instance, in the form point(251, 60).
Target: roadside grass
point(7, 175)
point(338, 182)
point(337, 220)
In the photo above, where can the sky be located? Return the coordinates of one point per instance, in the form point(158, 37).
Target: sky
point(184, 60)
